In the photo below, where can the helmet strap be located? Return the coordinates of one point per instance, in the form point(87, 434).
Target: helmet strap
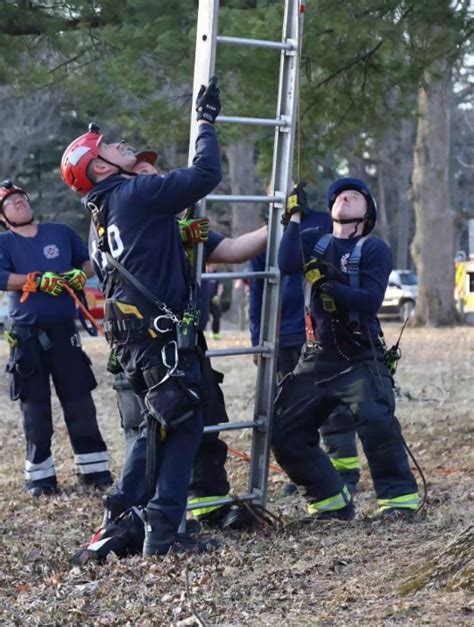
point(120, 169)
point(16, 224)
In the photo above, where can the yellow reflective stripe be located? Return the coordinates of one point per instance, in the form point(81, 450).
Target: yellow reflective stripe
point(332, 504)
point(345, 463)
point(406, 501)
point(204, 510)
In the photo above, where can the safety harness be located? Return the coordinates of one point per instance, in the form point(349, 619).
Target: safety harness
point(351, 329)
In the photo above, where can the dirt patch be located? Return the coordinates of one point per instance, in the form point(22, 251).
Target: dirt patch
point(298, 575)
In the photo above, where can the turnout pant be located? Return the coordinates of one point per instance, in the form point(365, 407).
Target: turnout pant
point(209, 476)
point(55, 351)
point(338, 432)
point(306, 399)
point(176, 452)
point(215, 312)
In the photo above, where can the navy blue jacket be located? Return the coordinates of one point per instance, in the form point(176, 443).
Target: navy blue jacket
point(142, 229)
point(375, 268)
point(55, 248)
point(292, 325)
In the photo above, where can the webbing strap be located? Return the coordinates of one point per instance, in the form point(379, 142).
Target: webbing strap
point(353, 268)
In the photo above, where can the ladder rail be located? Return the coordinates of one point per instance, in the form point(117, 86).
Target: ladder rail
point(284, 125)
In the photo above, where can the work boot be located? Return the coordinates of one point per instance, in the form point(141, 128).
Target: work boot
point(239, 519)
point(97, 479)
point(112, 508)
point(215, 517)
point(42, 490)
point(346, 513)
point(161, 538)
point(394, 514)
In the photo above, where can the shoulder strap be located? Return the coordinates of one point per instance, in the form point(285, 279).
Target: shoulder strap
point(322, 244)
point(353, 267)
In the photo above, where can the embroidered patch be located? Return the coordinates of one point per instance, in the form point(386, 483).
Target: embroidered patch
point(344, 260)
point(51, 251)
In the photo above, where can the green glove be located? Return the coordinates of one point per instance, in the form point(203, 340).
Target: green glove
point(75, 278)
point(51, 283)
point(194, 230)
point(216, 300)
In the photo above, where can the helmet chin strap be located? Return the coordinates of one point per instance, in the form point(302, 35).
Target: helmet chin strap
point(18, 224)
point(355, 221)
point(120, 169)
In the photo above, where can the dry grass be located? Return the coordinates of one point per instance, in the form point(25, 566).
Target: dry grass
point(330, 574)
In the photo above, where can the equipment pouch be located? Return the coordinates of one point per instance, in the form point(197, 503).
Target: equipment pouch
point(17, 370)
point(172, 402)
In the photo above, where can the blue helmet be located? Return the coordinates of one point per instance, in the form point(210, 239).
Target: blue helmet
point(352, 183)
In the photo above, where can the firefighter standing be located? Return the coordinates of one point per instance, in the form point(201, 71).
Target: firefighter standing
point(338, 431)
point(38, 260)
point(347, 276)
point(209, 477)
point(151, 327)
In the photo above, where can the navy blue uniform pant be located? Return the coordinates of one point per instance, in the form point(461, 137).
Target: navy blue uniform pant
point(338, 432)
point(306, 399)
point(55, 352)
point(175, 454)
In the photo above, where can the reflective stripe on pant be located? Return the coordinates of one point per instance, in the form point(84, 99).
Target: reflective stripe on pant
point(34, 473)
point(407, 501)
point(331, 504)
point(202, 511)
point(309, 396)
point(88, 463)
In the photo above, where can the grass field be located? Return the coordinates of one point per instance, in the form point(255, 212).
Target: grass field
point(363, 572)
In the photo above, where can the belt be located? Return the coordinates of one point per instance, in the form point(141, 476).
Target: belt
point(130, 328)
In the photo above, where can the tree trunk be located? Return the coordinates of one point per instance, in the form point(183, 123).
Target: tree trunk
point(382, 220)
point(245, 217)
point(405, 209)
point(433, 245)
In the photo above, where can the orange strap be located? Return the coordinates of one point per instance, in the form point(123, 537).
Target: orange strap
point(29, 286)
point(246, 458)
point(84, 310)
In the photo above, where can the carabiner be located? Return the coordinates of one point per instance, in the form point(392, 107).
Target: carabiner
point(164, 357)
point(156, 323)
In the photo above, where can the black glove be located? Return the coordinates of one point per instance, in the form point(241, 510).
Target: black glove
point(297, 201)
point(208, 104)
point(319, 272)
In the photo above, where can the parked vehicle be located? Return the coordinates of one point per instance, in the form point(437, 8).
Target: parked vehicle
point(3, 308)
point(401, 294)
point(95, 298)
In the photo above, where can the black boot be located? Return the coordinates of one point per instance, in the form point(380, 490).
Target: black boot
point(239, 519)
point(161, 538)
point(345, 513)
point(112, 508)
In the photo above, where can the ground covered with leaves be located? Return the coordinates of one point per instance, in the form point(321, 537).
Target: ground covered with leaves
point(363, 572)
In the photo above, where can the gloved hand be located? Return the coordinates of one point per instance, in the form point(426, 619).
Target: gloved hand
point(208, 104)
point(297, 201)
point(51, 283)
point(75, 278)
point(216, 300)
point(314, 273)
point(194, 230)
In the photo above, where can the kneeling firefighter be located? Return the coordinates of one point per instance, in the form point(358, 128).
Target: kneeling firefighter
point(150, 317)
point(346, 275)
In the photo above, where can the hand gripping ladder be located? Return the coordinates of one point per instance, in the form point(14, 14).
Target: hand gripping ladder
point(285, 126)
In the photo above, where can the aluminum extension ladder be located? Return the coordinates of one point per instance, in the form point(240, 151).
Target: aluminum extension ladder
point(285, 127)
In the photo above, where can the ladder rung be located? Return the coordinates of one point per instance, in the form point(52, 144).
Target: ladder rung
point(223, 501)
point(271, 274)
point(257, 43)
point(254, 121)
point(251, 350)
point(234, 426)
point(236, 198)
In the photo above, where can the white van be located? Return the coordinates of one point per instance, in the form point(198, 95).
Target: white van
point(3, 308)
point(401, 294)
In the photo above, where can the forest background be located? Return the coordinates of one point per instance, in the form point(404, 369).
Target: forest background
point(386, 95)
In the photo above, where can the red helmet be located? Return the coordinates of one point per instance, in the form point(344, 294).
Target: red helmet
point(8, 189)
point(77, 157)
point(150, 156)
